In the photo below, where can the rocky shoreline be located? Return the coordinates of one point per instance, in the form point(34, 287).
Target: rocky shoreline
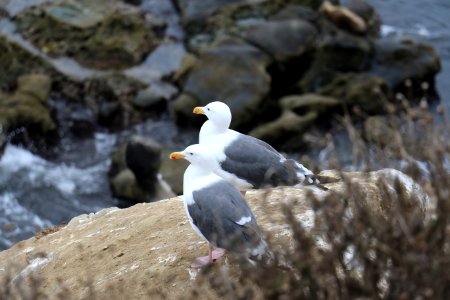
point(284, 67)
point(146, 250)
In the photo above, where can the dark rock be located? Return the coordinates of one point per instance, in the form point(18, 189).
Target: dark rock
point(155, 96)
point(284, 39)
point(143, 158)
point(82, 123)
point(134, 171)
point(231, 71)
point(397, 61)
point(133, 2)
point(16, 61)
point(166, 59)
point(2, 142)
point(368, 13)
point(296, 12)
point(109, 97)
point(337, 51)
point(288, 126)
point(102, 34)
point(302, 104)
point(108, 113)
point(124, 185)
point(195, 10)
point(365, 91)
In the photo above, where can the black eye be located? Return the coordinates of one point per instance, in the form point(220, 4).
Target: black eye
point(207, 108)
point(190, 153)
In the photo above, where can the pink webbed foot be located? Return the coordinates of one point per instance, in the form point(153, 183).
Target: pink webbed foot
point(199, 262)
point(217, 253)
point(243, 193)
point(214, 253)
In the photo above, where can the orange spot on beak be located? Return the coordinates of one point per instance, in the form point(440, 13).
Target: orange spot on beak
point(176, 155)
point(199, 110)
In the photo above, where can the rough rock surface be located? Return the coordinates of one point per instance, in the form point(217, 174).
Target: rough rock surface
point(28, 105)
point(231, 71)
point(146, 250)
point(136, 181)
point(104, 34)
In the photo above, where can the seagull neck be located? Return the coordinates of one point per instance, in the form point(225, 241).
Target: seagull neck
point(214, 128)
point(194, 175)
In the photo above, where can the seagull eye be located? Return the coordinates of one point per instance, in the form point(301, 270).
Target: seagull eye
point(190, 153)
point(208, 109)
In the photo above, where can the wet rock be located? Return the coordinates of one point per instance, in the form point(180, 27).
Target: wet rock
point(166, 59)
point(161, 63)
point(155, 96)
point(397, 61)
point(124, 185)
point(365, 91)
point(101, 34)
point(196, 10)
point(302, 104)
point(296, 12)
point(343, 17)
point(27, 107)
point(299, 112)
point(133, 2)
point(143, 158)
point(288, 126)
point(284, 39)
point(230, 70)
point(337, 51)
point(82, 123)
point(16, 61)
point(110, 97)
point(368, 13)
point(2, 140)
point(134, 171)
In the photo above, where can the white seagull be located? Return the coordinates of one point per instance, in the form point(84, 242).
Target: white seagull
point(243, 160)
point(217, 211)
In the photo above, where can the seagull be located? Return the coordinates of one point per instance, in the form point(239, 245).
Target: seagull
point(243, 160)
point(217, 211)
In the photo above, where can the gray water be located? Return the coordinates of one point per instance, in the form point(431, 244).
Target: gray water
point(36, 193)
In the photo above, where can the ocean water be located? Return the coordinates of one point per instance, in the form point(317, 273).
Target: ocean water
point(36, 193)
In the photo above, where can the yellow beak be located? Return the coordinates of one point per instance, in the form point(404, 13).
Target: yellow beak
point(199, 110)
point(176, 155)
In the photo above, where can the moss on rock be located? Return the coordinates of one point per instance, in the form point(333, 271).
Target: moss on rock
point(98, 34)
point(27, 107)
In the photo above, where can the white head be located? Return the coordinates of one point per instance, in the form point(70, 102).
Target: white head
point(197, 155)
point(217, 112)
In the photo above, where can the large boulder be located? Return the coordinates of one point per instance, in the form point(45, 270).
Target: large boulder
point(28, 106)
point(283, 39)
point(231, 71)
point(134, 171)
point(145, 251)
point(16, 61)
point(299, 112)
point(400, 60)
point(103, 34)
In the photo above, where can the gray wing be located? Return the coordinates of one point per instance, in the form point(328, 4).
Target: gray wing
point(257, 162)
point(216, 211)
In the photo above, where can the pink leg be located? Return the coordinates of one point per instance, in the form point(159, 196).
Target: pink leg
point(213, 254)
point(243, 193)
